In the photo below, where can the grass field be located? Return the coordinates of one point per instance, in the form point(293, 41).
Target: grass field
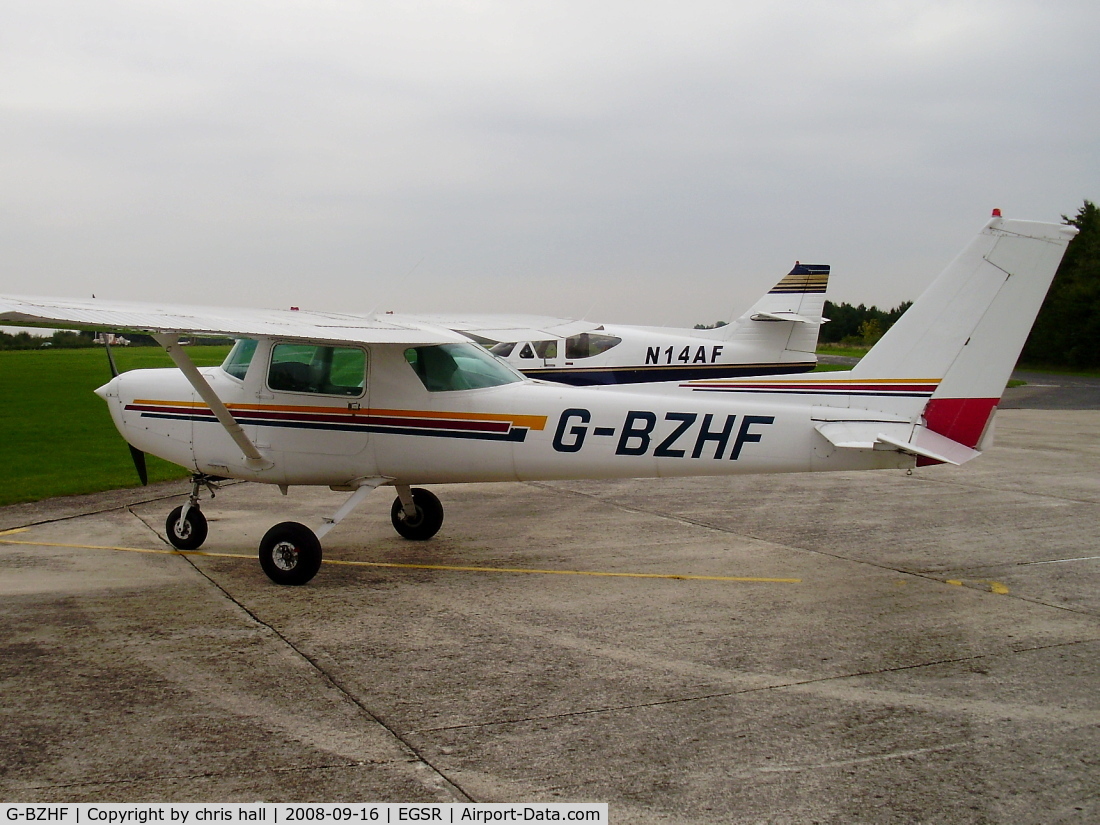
point(56, 435)
point(851, 352)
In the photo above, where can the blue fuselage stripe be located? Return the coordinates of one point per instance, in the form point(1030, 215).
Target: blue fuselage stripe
point(661, 372)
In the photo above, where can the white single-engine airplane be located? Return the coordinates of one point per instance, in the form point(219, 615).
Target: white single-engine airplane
point(354, 403)
point(776, 336)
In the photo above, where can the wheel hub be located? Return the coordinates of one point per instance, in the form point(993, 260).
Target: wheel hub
point(285, 556)
point(412, 521)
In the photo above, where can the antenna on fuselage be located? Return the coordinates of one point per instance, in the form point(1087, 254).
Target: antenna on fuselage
point(401, 282)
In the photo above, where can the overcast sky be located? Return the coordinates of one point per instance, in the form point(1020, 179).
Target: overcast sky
point(641, 162)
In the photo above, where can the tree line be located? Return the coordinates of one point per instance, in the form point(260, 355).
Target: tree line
point(1067, 331)
point(61, 339)
point(857, 326)
point(64, 339)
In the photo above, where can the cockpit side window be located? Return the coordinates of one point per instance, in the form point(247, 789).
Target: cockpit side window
point(588, 344)
point(448, 367)
point(314, 368)
point(236, 363)
point(503, 349)
point(526, 352)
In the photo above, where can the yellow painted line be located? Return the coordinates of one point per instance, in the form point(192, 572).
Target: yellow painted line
point(468, 569)
point(448, 567)
point(994, 587)
point(13, 532)
point(164, 552)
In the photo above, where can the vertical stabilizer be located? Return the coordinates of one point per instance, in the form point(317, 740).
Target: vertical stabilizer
point(967, 330)
point(801, 292)
point(787, 320)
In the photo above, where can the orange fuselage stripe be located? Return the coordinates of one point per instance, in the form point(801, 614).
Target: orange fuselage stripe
point(531, 422)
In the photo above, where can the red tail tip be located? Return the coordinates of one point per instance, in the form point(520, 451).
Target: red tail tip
point(996, 213)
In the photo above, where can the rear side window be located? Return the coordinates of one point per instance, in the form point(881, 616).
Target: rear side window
point(588, 344)
point(323, 370)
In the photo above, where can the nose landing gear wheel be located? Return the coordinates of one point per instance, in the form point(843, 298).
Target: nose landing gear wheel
point(186, 534)
point(426, 522)
point(290, 553)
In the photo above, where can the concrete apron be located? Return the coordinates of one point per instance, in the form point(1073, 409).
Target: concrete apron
point(868, 647)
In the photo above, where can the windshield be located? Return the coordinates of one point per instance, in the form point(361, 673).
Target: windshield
point(236, 363)
point(448, 367)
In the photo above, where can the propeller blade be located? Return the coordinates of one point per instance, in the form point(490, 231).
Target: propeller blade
point(139, 464)
point(137, 455)
point(110, 358)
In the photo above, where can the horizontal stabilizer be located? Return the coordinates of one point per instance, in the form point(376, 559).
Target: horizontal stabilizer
point(786, 316)
point(896, 435)
point(929, 444)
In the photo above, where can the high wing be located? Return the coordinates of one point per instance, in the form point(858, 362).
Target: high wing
point(498, 328)
point(168, 325)
point(129, 316)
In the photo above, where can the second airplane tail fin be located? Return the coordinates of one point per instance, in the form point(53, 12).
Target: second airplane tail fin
point(800, 296)
point(784, 324)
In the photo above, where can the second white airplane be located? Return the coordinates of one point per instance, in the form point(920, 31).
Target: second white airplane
point(776, 336)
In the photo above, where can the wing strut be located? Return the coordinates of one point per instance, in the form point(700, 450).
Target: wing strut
point(254, 459)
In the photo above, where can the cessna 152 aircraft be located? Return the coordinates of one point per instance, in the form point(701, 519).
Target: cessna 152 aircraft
point(354, 402)
point(776, 336)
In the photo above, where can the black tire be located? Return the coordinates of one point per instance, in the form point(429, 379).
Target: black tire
point(426, 522)
point(290, 553)
point(189, 534)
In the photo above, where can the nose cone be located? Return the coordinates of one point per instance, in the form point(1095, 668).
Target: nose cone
point(108, 390)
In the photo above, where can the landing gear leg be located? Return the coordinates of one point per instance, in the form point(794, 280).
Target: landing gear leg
point(186, 526)
point(416, 513)
point(290, 553)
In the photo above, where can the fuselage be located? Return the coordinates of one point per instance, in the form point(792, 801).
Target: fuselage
point(394, 423)
point(629, 354)
point(776, 336)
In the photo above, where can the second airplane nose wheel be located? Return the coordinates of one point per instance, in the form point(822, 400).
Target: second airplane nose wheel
point(290, 553)
point(426, 522)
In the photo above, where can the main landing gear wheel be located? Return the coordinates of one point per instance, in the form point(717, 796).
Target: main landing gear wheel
point(426, 522)
point(290, 553)
point(189, 533)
